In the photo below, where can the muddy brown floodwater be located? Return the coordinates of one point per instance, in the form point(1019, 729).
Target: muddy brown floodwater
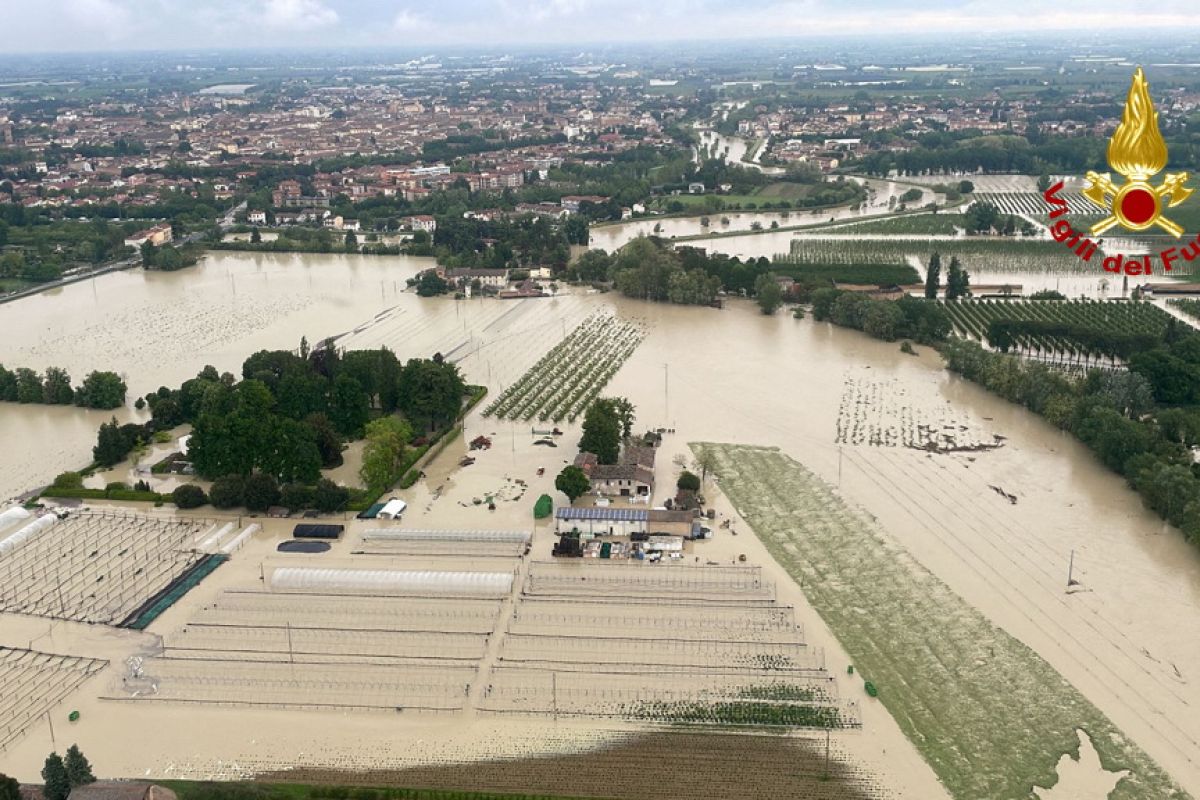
point(1129, 641)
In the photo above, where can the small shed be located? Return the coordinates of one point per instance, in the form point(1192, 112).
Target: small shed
point(393, 509)
point(311, 531)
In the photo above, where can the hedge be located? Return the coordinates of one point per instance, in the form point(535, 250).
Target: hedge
point(127, 495)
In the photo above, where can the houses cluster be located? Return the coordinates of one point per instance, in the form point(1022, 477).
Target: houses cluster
point(132, 146)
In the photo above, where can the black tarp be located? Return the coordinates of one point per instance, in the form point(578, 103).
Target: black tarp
point(310, 531)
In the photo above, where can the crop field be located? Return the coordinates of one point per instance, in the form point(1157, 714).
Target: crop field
point(990, 716)
point(971, 319)
point(33, 684)
point(565, 381)
point(882, 413)
point(665, 765)
point(1032, 204)
point(929, 224)
point(1189, 307)
point(809, 273)
point(97, 567)
point(976, 254)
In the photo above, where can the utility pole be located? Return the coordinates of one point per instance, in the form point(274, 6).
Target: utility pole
point(666, 394)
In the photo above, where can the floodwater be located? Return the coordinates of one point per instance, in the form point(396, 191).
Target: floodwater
point(720, 236)
point(161, 328)
point(1129, 641)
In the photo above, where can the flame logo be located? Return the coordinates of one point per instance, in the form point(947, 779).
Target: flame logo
point(1137, 149)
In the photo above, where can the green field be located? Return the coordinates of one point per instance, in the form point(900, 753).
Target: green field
point(877, 274)
point(931, 224)
point(990, 715)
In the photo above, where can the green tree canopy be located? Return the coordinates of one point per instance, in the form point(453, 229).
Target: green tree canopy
point(57, 784)
point(79, 771)
point(572, 482)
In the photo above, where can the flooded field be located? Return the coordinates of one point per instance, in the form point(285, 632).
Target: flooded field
point(1128, 644)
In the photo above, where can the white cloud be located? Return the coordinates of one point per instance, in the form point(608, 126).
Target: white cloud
point(107, 18)
point(298, 15)
point(408, 21)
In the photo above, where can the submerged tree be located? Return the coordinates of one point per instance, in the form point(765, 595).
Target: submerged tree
point(57, 784)
point(79, 771)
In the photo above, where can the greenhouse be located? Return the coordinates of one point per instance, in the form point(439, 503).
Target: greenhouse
point(26, 533)
point(381, 581)
point(12, 516)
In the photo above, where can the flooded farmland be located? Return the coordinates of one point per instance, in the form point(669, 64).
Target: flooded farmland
point(1129, 643)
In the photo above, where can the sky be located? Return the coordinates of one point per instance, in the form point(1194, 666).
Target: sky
point(74, 25)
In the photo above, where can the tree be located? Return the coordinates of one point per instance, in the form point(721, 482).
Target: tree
point(348, 406)
point(430, 284)
point(54, 773)
point(430, 393)
point(601, 432)
point(688, 481)
point(111, 445)
point(327, 439)
point(260, 491)
point(383, 454)
point(624, 411)
point(227, 492)
point(9, 788)
point(102, 390)
point(958, 281)
point(706, 462)
point(255, 236)
point(296, 496)
point(56, 387)
point(933, 277)
point(79, 771)
point(768, 293)
point(351, 241)
point(29, 386)
point(189, 495)
point(573, 482)
point(329, 497)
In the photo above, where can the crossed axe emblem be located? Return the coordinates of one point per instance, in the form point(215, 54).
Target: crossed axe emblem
point(1172, 187)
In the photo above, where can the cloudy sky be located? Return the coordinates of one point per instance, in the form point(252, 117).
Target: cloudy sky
point(58, 25)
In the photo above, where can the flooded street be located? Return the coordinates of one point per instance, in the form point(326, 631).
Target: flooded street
point(1130, 642)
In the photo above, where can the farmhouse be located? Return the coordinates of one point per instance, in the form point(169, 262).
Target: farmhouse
point(157, 236)
point(633, 476)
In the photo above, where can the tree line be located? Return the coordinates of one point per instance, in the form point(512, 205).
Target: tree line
point(100, 389)
point(924, 321)
point(1114, 414)
point(290, 415)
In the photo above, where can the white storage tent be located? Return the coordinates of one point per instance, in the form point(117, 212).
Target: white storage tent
point(28, 532)
point(382, 581)
point(393, 509)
